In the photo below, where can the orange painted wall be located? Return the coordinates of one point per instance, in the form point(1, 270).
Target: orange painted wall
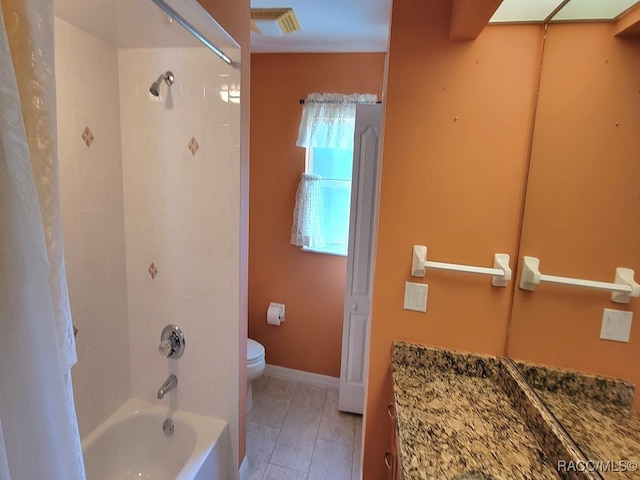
point(582, 213)
point(233, 16)
point(310, 284)
point(456, 144)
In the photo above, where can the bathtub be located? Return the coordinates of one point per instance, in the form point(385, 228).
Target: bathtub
point(131, 444)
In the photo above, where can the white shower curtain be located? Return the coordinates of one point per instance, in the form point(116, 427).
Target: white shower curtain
point(38, 428)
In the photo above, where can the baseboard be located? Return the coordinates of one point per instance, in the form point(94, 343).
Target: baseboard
point(300, 376)
point(243, 471)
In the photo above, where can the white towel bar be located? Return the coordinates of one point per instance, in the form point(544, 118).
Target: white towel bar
point(623, 287)
point(501, 272)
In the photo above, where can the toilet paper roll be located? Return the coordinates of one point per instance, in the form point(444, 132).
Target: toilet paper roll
point(275, 314)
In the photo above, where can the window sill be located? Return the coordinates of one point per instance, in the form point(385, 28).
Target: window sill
point(324, 252)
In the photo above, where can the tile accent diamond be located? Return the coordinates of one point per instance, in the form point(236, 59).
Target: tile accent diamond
point(87, 136)
point(153, 270)
point(193, 146)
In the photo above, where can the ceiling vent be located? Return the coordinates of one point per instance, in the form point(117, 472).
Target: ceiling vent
point(274, 22)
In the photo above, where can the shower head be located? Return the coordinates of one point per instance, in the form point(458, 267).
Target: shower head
point(168, 79)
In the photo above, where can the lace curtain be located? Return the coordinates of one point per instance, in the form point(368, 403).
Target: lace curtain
point(328, 121)
point(38, 427)
point(306, 231)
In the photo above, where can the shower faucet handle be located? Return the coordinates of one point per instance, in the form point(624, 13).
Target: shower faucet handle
point(171, 342)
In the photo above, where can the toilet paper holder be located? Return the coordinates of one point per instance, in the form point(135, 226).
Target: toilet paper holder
point(275, 313)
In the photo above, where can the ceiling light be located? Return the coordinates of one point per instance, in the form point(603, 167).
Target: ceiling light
point(540, 11)
point(593, 10)
point(274, 22)
point(524, 11)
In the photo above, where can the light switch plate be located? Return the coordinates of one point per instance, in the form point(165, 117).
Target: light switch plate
point(616, 325)
point(415, 296)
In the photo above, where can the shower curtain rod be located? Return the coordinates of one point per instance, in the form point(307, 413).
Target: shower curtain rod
point(191, 29)
point(302, 102)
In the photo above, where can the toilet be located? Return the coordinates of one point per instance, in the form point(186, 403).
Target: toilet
point(255, 366)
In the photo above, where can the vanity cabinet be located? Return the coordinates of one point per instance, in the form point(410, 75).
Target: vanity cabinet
point(392, 455)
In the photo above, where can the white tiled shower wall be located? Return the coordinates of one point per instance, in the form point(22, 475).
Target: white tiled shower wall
point(180, 205)
point(93, 219)
point(182, 215)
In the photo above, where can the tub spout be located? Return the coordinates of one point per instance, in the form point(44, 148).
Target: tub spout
point(169, 384)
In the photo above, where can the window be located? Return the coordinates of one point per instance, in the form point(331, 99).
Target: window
point(321, 213)
point(333, 165)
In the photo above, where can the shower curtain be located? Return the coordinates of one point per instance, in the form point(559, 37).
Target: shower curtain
point(39, 436)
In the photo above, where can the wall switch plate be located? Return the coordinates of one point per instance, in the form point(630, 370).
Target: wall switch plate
point(616, 325)
point(415, 296)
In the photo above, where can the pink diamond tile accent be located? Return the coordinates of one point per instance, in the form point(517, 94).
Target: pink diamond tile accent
point(153, 270)
point(87, 136)
point(193, 146)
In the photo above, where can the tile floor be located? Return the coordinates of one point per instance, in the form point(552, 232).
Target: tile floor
point(295, 432)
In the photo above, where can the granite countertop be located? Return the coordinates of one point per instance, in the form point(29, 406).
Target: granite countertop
point(595, 411)
point(455, 421)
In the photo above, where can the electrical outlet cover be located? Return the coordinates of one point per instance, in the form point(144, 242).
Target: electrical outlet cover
point(616, 325)
point(415, 296)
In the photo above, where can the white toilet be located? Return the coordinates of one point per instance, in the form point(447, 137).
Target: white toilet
point(255, 366)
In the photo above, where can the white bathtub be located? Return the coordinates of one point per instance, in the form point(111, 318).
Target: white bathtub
point(131, 444)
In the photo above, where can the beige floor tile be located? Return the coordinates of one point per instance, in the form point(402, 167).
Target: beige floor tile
point(268, 411)
point(276, 472)
point(337, 427)
point(331, 400)
point(280, 388)
point(260, 442)
point(331, 461)
point(259, 384)
point(357, 450)
point(303, 417)
point(293, 450)
point(295, 429)
point(310, 395)
point(295, 444)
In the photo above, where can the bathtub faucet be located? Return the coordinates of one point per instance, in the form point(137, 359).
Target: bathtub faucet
point(169, 384)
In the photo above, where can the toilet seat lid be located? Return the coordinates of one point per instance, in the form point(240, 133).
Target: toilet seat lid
point(255, 350)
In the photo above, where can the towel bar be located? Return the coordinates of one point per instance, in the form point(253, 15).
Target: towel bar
point(501, 272)
point(623, 287)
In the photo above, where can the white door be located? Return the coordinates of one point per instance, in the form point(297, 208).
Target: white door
point(362, 228)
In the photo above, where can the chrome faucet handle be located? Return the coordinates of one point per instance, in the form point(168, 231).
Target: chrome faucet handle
point(171, 342)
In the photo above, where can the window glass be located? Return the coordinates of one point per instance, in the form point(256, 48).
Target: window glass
point(334, 166)
point(331, 163)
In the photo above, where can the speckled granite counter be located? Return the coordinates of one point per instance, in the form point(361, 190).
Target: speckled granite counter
point(455, 421)
point(596, 412)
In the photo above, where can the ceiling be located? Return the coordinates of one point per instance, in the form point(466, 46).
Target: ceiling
point(363, 25)
point(325, 26)
point(140, 23)
point(329, 26)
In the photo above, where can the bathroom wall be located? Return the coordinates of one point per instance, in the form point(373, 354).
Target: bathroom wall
point(310, 284)
point(233, 16)
point(456, 144)
point(182, 208)
point(93, 219)
point(582, 201)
